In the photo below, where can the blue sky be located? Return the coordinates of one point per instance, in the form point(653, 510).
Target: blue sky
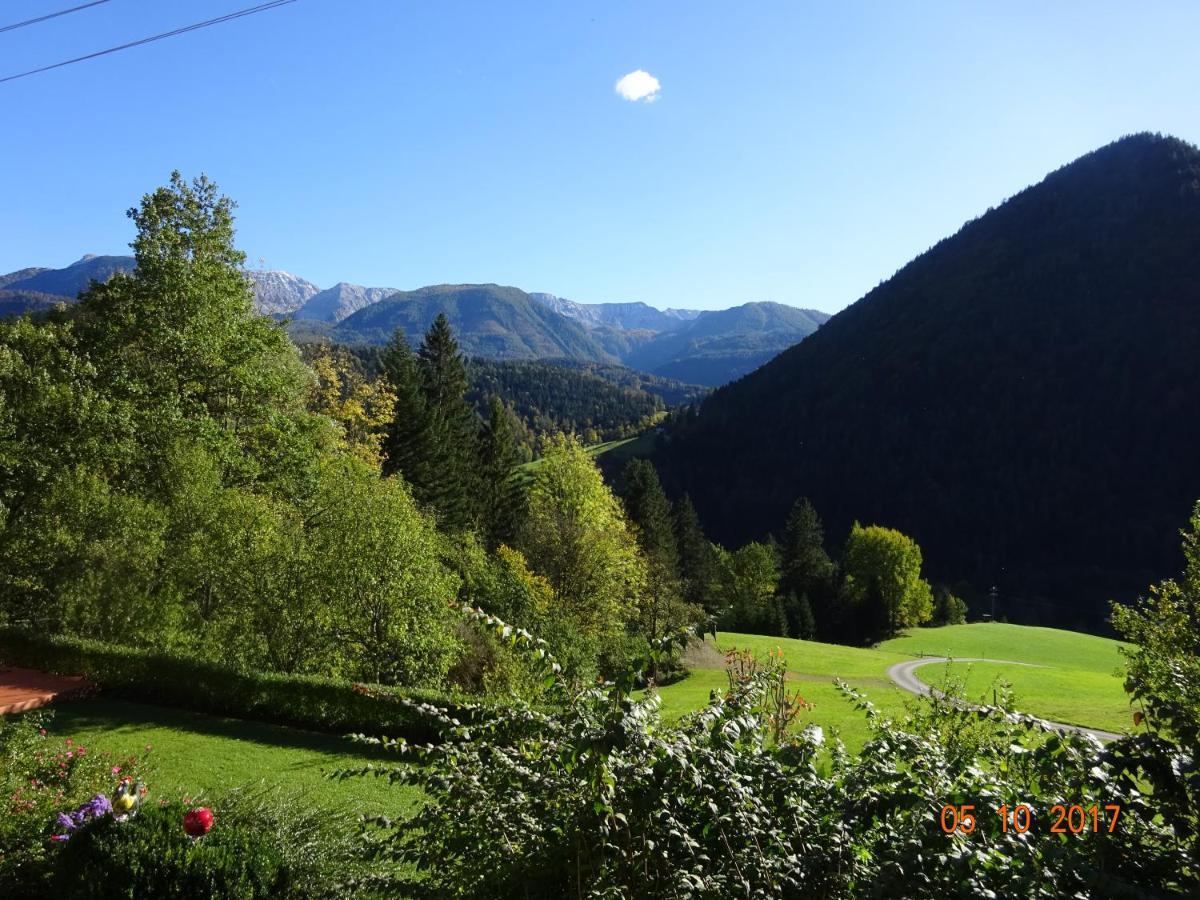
point(795, 152)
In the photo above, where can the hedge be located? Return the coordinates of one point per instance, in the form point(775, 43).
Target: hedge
point(304, 701)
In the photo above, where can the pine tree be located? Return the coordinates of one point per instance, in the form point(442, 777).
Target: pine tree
point(697, 557)
point(405, 446)
point(647, 506)
point(807, 570)
point(650, 510)
point(453, 428)
point(805, 562)
point(502, 494)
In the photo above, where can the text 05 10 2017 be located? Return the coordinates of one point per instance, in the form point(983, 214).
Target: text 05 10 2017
point(1061, 818)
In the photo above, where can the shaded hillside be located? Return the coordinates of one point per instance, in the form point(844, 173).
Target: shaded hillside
point(488, 320)
point(74, 278)
point(1023, 398)
point(719, 346)
point(20, 275)
point(16, 303)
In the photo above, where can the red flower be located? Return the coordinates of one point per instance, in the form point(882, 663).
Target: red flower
point(197, 822)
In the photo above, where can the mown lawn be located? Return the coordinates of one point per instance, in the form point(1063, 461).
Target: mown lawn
point(1022, 643)
point(1078, 679)
point(196, 755)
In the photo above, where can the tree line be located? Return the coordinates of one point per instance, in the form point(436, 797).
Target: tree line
point(173, 474)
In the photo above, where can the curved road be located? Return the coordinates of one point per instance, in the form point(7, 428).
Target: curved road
point(904, 675)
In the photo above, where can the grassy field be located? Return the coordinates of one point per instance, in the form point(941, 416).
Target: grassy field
point(194, 754)
point(618, 452)
point(1077, 681)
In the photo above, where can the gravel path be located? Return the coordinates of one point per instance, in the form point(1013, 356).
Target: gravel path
point(904, 675)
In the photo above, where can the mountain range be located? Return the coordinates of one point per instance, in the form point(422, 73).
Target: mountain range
point(1023, 398)
point(490, 321)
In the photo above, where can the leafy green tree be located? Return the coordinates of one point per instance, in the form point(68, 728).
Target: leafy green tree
point(362, 409)
point(502, 498)
point(697, 557)
point(94, 555)
point(883, 577)
point(180, 341)
point(54, 419)
point(1163, 680)
point(451, 485)
point(575, 535)
point(373, 558)
point(748, 578)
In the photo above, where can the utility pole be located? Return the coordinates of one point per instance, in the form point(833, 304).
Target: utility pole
point(994, 592)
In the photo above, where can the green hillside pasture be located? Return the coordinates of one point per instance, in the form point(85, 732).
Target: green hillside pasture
point(1020, 643)
point(812, 668)
point(1075, 696)
point(1079, 680)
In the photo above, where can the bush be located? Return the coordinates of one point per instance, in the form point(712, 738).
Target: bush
point(601, 799)
point(40, 777)
point(149, 855)
point(304, 701)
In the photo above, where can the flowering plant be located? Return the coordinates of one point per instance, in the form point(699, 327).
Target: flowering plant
point(42, 774)
point(92, 809)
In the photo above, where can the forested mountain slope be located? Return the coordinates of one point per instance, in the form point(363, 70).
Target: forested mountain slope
point(1023, 398)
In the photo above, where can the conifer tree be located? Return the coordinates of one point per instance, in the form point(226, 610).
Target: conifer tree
point(649, 509)
point(452, 428)
point(502, 495)
point(405, 444)
point(662, 610)
point(808, 572)
point(697, 557)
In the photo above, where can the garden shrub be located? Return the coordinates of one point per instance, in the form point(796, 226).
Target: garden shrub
point(599, 798)
point(149, 855)
point(304, 701)
point(40, 777)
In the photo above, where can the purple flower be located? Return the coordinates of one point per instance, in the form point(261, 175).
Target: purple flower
point(65, 821)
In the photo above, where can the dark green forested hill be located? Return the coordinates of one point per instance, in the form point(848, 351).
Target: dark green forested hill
point(1023, 398)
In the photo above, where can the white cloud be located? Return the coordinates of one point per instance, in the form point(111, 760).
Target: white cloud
point(639, 85)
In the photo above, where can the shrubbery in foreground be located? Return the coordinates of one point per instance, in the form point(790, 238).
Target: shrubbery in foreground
point(601, 799)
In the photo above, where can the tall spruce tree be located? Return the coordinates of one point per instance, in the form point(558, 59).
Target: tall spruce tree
point(697, 557)
point(405, 444)
point(807, 575)
point(663, 610)
point(502, 494)
point(452, 480)
point(649, 509)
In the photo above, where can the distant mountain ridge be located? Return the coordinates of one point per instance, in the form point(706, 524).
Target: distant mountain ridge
point(342, 300)
point(704, 347)
point(633, 316)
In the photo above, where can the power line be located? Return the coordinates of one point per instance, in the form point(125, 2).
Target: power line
point(262, 7)
point(53, 15)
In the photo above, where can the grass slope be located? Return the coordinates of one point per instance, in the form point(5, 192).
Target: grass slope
point(195, 754)
point(1078, 679)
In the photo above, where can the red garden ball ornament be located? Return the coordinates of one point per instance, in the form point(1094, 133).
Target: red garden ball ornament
point(197, 822)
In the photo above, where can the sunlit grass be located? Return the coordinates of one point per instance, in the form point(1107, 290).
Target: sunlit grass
point(194, 754)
